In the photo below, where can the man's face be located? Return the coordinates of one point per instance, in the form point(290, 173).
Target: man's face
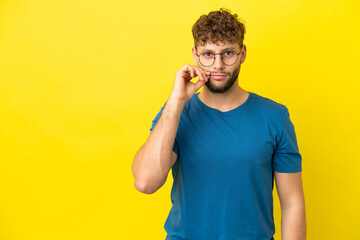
point(222, 76)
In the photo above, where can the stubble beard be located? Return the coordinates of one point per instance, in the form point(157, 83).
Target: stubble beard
point(224, 88)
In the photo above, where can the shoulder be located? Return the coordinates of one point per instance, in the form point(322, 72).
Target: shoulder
point(268, 106)
point(192, 105)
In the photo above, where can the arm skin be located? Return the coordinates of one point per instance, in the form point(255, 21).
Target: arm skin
point(155, 158)
point(293, 219)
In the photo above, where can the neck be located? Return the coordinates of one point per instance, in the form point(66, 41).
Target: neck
point(227, 101)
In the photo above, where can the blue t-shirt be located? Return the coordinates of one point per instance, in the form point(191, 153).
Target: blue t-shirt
point(223, 177)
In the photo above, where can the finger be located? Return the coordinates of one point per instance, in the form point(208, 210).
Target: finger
point(206, 74)
point(198, 85)
point(200, 73)
point(192, 72)
point(188, 70)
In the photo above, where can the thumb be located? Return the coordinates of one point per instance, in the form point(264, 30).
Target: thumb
point(198, 85)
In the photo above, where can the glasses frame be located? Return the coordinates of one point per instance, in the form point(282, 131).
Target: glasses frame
point(222, 59)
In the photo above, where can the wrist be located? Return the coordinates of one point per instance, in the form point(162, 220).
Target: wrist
point(174, 105)
point(176, 100)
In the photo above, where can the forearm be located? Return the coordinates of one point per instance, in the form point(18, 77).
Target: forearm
point(152, 162)
point(293, 222)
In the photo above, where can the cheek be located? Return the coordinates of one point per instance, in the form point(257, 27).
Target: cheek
point(203, 68)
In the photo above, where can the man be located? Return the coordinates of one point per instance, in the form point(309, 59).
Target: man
point(225, 147)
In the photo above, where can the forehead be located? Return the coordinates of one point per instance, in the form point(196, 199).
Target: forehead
point(219, 46)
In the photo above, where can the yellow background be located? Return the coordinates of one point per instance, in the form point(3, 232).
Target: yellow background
point(81, 82)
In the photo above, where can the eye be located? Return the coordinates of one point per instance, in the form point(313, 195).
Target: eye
point(228, 53)
point(207, 55)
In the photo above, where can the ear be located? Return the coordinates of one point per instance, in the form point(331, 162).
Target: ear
point(243, 53)
point(193, 50)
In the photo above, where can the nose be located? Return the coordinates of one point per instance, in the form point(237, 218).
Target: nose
point(218, 63)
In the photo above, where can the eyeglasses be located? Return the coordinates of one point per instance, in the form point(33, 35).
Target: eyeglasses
point(228, 57)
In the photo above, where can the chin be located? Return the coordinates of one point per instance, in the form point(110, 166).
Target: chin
point(222, 87)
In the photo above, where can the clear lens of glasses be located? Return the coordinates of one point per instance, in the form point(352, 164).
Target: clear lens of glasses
point(228, 57)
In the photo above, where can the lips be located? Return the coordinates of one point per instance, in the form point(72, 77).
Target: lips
point(217, 76)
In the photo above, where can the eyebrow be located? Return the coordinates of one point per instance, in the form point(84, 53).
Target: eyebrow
point(208, 50)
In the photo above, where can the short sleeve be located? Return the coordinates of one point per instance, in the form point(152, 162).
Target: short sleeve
point(156, 119)
point(287, 158)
